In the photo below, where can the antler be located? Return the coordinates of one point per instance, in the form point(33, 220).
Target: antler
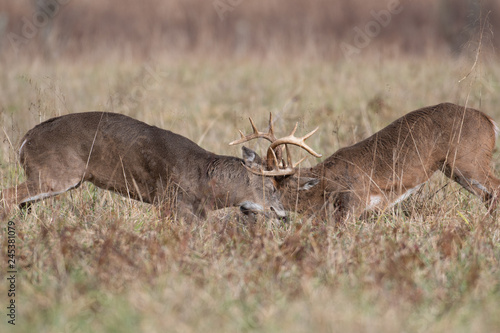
point(256, 134)
point(273, 166)
point(272, 161)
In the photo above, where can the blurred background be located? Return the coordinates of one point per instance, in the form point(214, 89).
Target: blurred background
point(322, 28)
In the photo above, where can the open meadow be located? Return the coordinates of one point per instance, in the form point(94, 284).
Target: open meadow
point(93, 261)
point(89, 260)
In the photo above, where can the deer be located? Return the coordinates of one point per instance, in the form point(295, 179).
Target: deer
point(139, 161)
point(390, 165)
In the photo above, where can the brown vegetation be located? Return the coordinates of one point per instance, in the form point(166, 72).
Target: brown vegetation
point(141, 28)
point(92, 261)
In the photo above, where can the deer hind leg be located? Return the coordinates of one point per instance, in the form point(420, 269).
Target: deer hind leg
point(477, 180)
point(34, 190)
point(17, 195)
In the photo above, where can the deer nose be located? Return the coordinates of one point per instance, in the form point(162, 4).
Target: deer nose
point(247, 207)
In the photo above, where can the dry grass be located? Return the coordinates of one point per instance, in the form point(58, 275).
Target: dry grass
point(93, 261)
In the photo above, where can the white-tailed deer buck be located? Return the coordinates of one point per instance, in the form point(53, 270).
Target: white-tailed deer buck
point(393, 163)
point(134, 159)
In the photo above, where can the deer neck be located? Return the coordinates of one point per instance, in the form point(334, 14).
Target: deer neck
point(227, 181)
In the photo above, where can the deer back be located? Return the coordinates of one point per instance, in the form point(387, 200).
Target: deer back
point(121, 154)
point(394, 160)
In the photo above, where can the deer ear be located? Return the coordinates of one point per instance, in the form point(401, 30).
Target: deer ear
point(307, 183)
point(250, 157)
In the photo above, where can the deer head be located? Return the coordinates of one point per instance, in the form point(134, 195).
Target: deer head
point(283, 170)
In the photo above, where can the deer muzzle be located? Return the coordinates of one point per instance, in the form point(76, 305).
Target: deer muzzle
point(248, 207)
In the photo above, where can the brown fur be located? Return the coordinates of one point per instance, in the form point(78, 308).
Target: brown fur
point(143, 162)
point(377, 172)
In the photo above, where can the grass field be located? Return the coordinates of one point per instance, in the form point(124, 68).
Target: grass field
point(92, 261)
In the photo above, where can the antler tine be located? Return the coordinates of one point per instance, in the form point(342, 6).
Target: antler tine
point(271, 173)
point(288, 156)
point(255, 130)
point(272, 160)
point(271, 126)
point(294, 129)
point(300, 142)
point(256, 134)
point(301, 160)
point(289, 159)
point(308, 135)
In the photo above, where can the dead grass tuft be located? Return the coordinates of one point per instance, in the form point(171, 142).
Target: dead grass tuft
point(93, 261)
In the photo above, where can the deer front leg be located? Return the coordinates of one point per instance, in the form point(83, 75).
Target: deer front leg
point(186, 206)
point(343, 205)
